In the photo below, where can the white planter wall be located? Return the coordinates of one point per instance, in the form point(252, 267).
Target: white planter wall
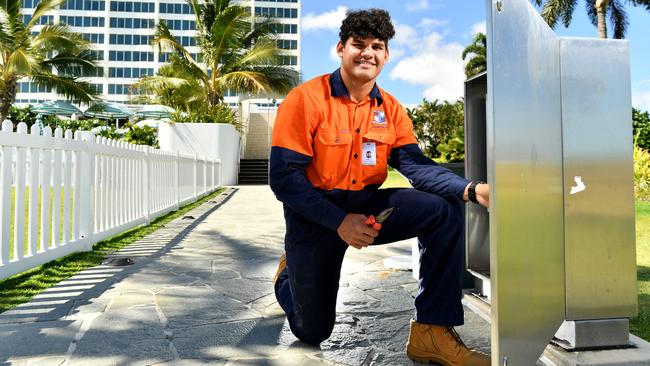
point(213, 140)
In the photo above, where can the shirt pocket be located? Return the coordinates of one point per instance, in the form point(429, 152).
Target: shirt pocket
point(332, 155)
point(376, 174)
point(383, 141)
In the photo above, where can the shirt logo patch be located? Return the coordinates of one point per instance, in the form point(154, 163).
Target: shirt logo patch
point(379, 117)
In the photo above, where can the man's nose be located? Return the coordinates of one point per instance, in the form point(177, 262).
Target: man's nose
point(366, 51)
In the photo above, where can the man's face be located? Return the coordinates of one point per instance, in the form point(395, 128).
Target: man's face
point(362, 59)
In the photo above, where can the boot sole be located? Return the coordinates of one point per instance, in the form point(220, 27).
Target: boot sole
point(426, 360)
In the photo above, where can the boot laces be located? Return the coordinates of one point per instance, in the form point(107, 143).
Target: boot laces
point(455, 339)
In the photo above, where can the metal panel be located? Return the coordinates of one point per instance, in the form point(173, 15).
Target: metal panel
point(525, 170)
point(599, 214)
point(477, 227)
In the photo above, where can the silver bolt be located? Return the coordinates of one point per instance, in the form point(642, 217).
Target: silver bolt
point(499, 5)
point(505, 359)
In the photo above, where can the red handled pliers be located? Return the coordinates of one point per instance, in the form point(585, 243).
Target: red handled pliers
point(375, 222)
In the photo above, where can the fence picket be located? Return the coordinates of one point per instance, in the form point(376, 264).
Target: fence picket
point(19, 205)
point(46, 180)
point(77, 191)
point(34, 169)
point(5, 195)
point(67, 182)
point(56, 192)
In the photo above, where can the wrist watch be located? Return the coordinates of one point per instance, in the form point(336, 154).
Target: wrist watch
point(471, 190)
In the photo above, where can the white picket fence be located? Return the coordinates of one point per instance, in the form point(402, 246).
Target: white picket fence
point(63, 194)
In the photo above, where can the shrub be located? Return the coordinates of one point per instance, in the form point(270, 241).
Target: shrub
point(641, 173)
point(641, 128)
point(144, 135)
point(219, 113)
point(437, 126)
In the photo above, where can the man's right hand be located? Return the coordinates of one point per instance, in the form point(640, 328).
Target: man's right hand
point(355, 232)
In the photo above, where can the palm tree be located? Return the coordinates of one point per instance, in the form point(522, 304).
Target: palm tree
point(478, 55)
point(597, 10)
point(51, 57)
point(235, 55)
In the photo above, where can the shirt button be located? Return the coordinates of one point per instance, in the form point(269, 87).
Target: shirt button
point(358, 130)
point(355, 155)
point(354, 181)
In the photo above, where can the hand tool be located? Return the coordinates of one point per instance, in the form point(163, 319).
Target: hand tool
point(375, 222)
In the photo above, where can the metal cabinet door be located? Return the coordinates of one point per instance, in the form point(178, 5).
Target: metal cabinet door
point(524, 148)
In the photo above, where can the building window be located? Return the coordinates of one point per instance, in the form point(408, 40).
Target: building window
point(97, 5)
point(130, 56)
point(132, 23)
point(287, 44)
point(129, 72)
point(289, 60)
point(276, 12)
point(136, 7)
point(77, 21)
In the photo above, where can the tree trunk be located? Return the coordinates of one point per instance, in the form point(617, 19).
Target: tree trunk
point(7, 97)
point(601, 12)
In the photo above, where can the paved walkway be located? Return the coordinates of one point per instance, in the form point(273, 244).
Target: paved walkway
point(200, 292)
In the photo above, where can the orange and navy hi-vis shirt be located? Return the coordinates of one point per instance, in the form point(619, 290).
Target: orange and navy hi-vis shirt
point(330, 153)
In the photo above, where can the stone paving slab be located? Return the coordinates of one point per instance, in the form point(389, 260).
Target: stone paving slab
point(200, 293)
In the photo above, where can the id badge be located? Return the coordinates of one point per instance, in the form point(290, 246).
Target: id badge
point(369, 154)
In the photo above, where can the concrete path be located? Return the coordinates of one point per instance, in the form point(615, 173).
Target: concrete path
point(200, 292)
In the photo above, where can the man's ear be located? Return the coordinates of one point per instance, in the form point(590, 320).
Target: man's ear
point(339, 49)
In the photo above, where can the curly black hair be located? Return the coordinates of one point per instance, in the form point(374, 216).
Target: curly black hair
point(362, 24)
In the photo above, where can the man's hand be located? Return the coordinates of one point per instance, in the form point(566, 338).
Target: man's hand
point(355, 233)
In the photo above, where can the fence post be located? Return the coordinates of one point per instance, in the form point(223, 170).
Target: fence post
point(145, 183)
point(177, 173)
point(5, 195)
point(196, 172)
point(86, 206)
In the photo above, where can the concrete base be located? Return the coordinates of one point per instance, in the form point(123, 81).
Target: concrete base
point(557, 356)
point(554, 355)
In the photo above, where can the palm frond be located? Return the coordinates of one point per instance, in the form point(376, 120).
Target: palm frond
point(59, 37)
point(263, 52)
point(618, 18)
point(6, 36)
point(644, 3)
point(157, 82)
point(591, 12)
point(43, 7)
point(12, 7)
point(21, 62)
point(164, 40)
point(62, 61)
point(554, 10)
point(72, 88)
point(247, 81)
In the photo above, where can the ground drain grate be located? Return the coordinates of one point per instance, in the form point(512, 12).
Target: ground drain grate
point(188, 217)
point(118, 262)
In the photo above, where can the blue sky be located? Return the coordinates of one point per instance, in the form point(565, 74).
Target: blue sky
point(434, 32)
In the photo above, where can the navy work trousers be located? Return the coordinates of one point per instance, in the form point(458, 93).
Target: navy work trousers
point(308, 287)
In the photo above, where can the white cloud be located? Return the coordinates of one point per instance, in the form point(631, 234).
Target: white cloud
point(428, 23)
point(641, 95)
point(334, 56)
point(479, 28)
point(641, 100)
point(404, 34)
point(330, 20)
point(433, 63)
point(417, 5)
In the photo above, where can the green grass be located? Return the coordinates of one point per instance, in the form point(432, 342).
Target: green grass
point(22, 287)
point(395, 180)
point(640, 326)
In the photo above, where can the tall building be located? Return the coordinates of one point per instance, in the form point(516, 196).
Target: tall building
point(121, 32)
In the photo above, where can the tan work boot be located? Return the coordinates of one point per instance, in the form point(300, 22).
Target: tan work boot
point(434, 344)
point(281, 267)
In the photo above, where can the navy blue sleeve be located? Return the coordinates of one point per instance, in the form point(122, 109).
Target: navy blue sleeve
point(288, 181)
point(424, 174)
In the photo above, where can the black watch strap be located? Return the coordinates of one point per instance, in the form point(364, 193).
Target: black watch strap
point(471, 191)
